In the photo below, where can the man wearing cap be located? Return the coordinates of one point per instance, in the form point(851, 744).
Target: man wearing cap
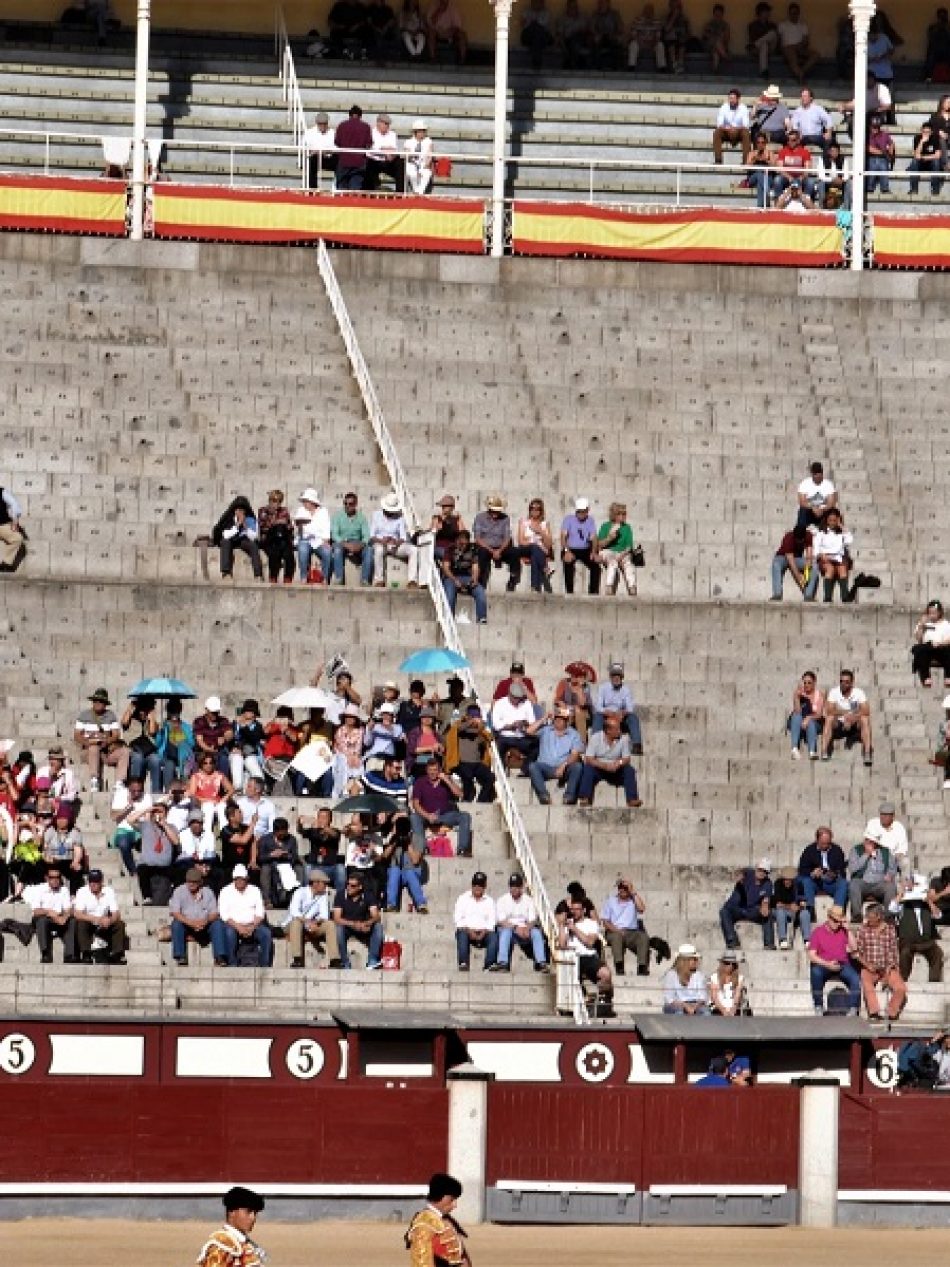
point(99, 736)
point(468, 747)
point(434, 800)
point(476, 923)
point(356, 914)
point(382, 738)
point(872, 872)
point(770, 116)
point(732, 126)
point(96, 912)
point(512, 720)
point(318, 142)
point(516, 674)
point(213, 734)
point(194, 915)
point(794, 38)
point(622, 918)
point(829, 950)
point(384, 157)
point(608, 759)
point(433, 1238)
point(350, 537)
point(517, 923)
point(579, 545)
point(389, 535)
point(63, 784)
point(876, 952)
point(560, 753)
point(352, 139)
point(491, 530)
point(230, 1245)
point(312, 525)
point(750, 900)
point(614, 696)
point(241, 910)
point(309, 920)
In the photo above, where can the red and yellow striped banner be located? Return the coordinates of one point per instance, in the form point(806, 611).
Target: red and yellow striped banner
point(60, 204)
point(211, 213)
point(912, 241)
point(695, 236)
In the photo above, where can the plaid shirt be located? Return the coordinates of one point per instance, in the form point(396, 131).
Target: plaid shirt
point(877, 947)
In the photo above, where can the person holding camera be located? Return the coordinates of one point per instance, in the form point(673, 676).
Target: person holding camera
point(468, 745)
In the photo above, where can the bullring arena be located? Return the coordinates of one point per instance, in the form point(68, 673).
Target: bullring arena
point(582, 308)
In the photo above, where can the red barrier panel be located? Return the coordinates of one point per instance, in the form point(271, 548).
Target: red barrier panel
point(883, 1140)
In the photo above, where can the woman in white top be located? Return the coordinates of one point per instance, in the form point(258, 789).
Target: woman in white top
point(535, 543)
point(831, 545)
point(684, 986)
point(727, 988)
point(932, 644)
point(419, 159)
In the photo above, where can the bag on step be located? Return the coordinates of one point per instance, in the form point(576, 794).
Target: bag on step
point(392, 955)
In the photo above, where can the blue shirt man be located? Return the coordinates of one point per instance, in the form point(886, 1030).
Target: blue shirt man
point(559, 756)
point(614, 696)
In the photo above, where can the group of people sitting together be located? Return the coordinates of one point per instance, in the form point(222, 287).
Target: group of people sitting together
point(359, 156)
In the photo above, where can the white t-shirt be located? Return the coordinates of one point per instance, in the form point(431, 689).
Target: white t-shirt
point(264, 809)
point(938, 633)
point(588, 927)
point(792, 33)
point(846, 703)
point(475, 914)
point(200, 846)
point(505, 715)
point(317, 142)
point(733, 116)
point(830, 545)
point(40, 897)
point(87, 903)
point(243, 908)
point(816, 494)
point(893, 838)
point(523, 911)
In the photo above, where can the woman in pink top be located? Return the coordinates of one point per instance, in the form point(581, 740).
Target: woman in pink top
point(808, 707)
point(211, 790)
point(347, 751)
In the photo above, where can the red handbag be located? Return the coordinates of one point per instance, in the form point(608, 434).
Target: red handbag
point(392, 955)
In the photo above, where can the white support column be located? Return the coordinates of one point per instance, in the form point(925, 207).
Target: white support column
point(818, 1151)
point(139, 150)
point(468, 1137)
point(502, 23)
point(861, 13)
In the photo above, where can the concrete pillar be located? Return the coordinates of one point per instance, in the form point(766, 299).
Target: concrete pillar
point(468, 1137)
point(502, 25)
point(139, 151)
point(818, 1151)
point(861, 13)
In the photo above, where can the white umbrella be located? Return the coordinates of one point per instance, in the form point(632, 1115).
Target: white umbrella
point(311, 697)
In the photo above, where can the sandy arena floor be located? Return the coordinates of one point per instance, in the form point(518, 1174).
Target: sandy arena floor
point(82, 1243)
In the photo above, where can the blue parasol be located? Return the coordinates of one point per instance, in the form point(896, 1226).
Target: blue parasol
point(433, 660)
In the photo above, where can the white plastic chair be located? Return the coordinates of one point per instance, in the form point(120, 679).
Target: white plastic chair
point(116, 151)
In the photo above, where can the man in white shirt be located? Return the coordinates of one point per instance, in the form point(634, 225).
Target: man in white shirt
point(581, 933)
point(475, 924)
point(384, 157)
point(309, 920)
point(312, 522)
point(321, 153)
point(517, 922)
point(511, 718)
point(732, 125)
point(796, 49)
point(196, 842)
point(847, 715)
point(254, 805)
point(98, 923)
point(816, 495)
point(389, 537)
point(892, 834)
point(932, 644)
point(812, 122)
point(241, 910)
point(52, 909)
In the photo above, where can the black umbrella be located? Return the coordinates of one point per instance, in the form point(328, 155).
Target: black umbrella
point(367, 803)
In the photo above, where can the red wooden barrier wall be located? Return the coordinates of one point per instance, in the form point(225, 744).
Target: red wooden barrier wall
point(894, 1142)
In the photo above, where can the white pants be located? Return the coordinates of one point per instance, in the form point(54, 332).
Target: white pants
point(419, 178)
point(405, 550)
point(244, 767)
point(342, 774)
point(766, 44)
point(633, 54)
point(615, 566)
point(211, 811)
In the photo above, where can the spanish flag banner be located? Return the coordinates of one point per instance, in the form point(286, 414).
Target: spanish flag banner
point(699, 235)
point(911, 241)
point(211, 213)
point(60, 204)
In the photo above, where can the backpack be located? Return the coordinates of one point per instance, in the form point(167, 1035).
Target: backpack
point(917, 1065)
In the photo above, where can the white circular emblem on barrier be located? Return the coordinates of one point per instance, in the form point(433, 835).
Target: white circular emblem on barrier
point(17, 1053)
point(595, 1062)
point(305, 1058)
point(882, 1069)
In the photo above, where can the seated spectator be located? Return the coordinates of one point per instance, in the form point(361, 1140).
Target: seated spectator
point(310, 920)
point(130, 806)
point(847, 717)
point(728, 993)
point(347, 29)
point(356, 915)
point(352, 140)
point(175, 742)
point(926, 157)
point(716, 1076)
point(575, 37)
point(323, 845)
point(607, 31)
point(796, 47)
point(536, 34)
point(793, 160)
point(790, 908)
point(407, 870)
point(410, 710)
point(12, 534)
point(468, 749)
point(275, 848)
point(321, 157)
point(676, 37)
point(938, 896)
point(63, 784)
point(794, 200)
point(384, 157)
point(194, 917)
point(608, 759)
point(580, 932)
point(813, 123)
point(758, 175)
point(516, 673)
point(389, 535)
point(932, 644)
point(829, 959)
point(579, 544)
point(893, 835)
point(917, 932)
point(794, 554)
point(52, 915)
point(274, 522)
point(237, 530)
point(476, 922)
point(389, 781)
point(763, 36)
point(750, 900)
point(491, 530)
point(716, 37)
point(213, 734)
point(247, 746)
point(615, 551)
point(445, 525)
point(99, 736)
point(876, 952)
point(937, 59)
point(454, 706)
point(685, 989)
point(434, 801)
point(143, 749)
point(880, 157)
point(96, 912)
point(805, 719)
point(238, 844)
point(646, 36)
point(196, 841)
point(423, 742)
point(159, 844)
point(445, 27)
point(877, 100)
point(574, 692)
point(210, 790)
point(383, 30)
point(63, 849)
point(461, 574)
point(941, 757)
point(835, 188)
point(312, 523)
point(365, 856)
point(872, 873)
point(614, 696)
point(412, 29)
point(517, 924)
point(512, 719)
point(822, 868)
point(383, 738)
point(347, 752)
point(241, 911)
point(419, 159)
point(350, 536)
point(770, 116)
point(560, 753)
point(536, 545)
point(622, 917)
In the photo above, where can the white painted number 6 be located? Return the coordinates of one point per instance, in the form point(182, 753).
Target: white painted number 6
point(305, 1058)
point(882, 1071)
point(17, 1053)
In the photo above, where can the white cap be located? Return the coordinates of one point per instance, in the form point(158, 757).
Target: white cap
point(239, 872)
point(764, 864)
point(391, 504)
point(310, 495)
point(874, 831)
point(687, 951)
point(582, 504)
point(213, 704)
point(6, 745)
point(388, 708)
point(420, 125)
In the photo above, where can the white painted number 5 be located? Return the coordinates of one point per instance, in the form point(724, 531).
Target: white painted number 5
point(305, 1058)
point(17, 1053)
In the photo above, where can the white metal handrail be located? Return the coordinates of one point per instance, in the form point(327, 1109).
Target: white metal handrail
point(506, 798)
point(289, 84)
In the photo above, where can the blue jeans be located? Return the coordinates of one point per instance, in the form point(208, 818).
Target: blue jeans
point(780, 567)
point(733, 911)
point(785, 923)
point(449, 818)
point(820, 976)
point(879, 164)
point(373, 941)
point(532, 945)
point(837, 890)
point(477, 592)
point(538, 564)
point(341, 557)
point(811, 725)
point(931, 165)
point(464, 944)
point(631, 724)
point(305, 551)
point(261, 934)
point(626, 777)
point(214, 933)
point(406, 876)
point(125, 842)
point(350, 177)
point(322, 788)
point(152, 765)
point(759, 184)
point(539, 773)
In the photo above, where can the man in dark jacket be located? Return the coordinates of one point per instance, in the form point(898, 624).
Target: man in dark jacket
point(750, 900)
point(917, 932)
point(822, 868)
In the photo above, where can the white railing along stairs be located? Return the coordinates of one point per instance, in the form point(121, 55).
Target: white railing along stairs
point(290, 87)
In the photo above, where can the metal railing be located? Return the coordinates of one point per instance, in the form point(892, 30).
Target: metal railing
point(506, 797)
point(290, 86)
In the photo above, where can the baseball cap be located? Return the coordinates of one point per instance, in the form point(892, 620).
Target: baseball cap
point(387, 708)
point(239, 872)
point(480, 878)
point(616, 667)
point(515, 878)
point(196, 816)
point(582, 504)
point(383, 118)
point(873, 832)
point(517, 666)
point(316, 874)
point(213, 704)
point(95, 874)
point(886, 807)
point(322, 116)
point(728, 956)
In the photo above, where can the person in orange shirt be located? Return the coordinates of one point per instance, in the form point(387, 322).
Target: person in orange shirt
point(434, 1238)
